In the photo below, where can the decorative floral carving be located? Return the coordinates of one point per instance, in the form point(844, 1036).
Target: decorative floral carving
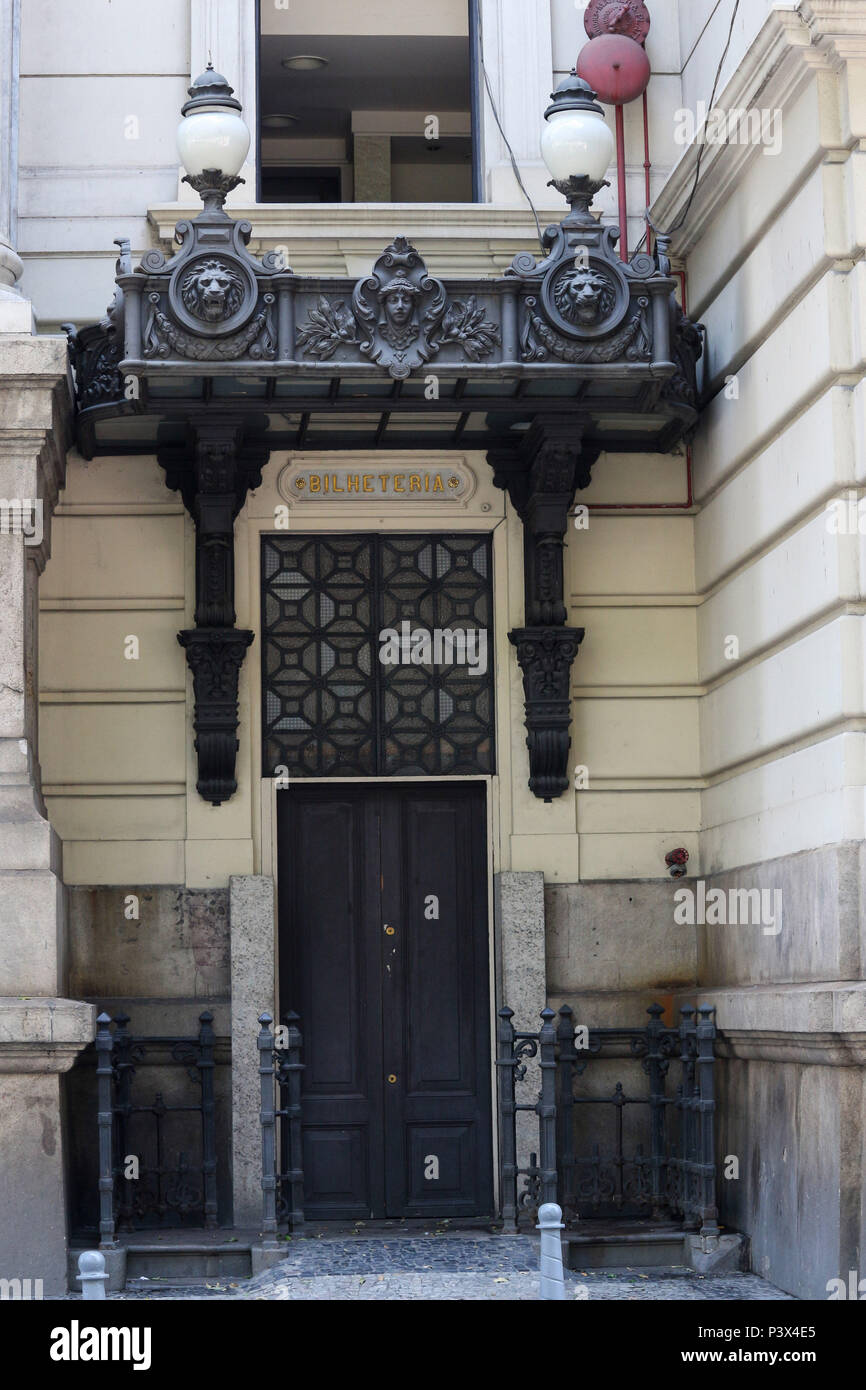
point(632, 341)
point(161, 335)
point(465, 323)
point(686, 349)
point(327, 327)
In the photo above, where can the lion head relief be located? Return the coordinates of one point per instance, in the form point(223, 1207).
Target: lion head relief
point(212, 290)
point(585, 297)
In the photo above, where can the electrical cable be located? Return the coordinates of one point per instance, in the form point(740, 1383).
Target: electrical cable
point(511, 156)
point(688, 207)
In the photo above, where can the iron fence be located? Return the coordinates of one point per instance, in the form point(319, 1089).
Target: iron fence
point(280, 1068)
point(145, 1177)
point(669, 1172)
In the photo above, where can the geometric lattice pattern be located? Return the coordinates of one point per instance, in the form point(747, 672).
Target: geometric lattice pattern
point(331, 707)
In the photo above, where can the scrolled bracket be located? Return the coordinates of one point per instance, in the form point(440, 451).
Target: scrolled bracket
point(545, 656)
point(215, 657)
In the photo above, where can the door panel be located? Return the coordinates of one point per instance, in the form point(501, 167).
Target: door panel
point(383, 931)
point(329, 965)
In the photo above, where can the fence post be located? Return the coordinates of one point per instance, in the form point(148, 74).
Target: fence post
point(706, 1037)
point(292, 1069)
point(505, 1064)
point(268, 1122)
point(105, 1117)
point(546, 1106)
point(208, 1117)
point(657, 1105)
point(565, 1111)
point(124, 1068)
point(688, 1140)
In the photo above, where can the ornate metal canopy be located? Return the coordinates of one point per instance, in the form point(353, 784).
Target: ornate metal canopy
point(213, 358)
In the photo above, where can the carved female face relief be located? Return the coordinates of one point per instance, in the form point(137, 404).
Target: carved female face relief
point(399, 305)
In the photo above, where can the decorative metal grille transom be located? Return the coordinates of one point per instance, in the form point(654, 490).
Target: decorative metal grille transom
point(332, 706)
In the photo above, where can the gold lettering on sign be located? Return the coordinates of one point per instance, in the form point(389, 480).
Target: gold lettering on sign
point(379, 484)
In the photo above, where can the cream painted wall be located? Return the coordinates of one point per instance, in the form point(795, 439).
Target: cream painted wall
point(630, 583)
point(118, 767)
point(775, 273)
point(683, 744)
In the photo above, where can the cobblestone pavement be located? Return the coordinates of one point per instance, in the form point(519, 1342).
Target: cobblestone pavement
point(450, 1268)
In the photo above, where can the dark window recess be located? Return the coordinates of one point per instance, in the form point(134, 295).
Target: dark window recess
point(391, 114)
point(331, 707)
point(303, 185)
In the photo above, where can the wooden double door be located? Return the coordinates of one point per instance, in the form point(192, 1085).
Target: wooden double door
point(384, 954)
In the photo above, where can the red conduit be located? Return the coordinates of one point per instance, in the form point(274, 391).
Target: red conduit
point(681, 275)
point(647, 166)
point(651, 506)
point(621, 181)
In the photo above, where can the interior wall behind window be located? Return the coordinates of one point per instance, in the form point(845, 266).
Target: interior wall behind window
point(366, 101)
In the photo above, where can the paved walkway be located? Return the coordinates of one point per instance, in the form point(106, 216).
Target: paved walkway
point(447, 1267)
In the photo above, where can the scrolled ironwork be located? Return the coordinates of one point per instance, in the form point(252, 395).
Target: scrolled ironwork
point(669, 1173)
point(164, 1183)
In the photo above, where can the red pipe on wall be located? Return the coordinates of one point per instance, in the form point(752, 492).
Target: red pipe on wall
point(647, 166)
point(621, 182)
point(681, 275)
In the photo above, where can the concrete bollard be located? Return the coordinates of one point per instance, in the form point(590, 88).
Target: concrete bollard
point(91, 1274)
point(550, 1224)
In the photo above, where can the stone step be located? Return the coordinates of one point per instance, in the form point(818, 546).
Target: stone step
point(184, 1262)
point(188, 1261)
point(639, 1249)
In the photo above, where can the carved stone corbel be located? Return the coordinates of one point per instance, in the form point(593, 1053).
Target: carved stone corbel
point(213, 474)
point(546, 655)
point(541, 479)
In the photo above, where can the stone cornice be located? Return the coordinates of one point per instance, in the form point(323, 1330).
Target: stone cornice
point(43, 1034)
point(782, 58)
point(821, 1023)
point(838, 28)
point(342, 239)
point(36, 416)
point(813, 1049)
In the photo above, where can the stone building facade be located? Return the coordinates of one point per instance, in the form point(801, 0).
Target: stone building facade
point(717, 702)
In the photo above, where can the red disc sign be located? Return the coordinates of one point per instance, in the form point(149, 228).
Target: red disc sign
point(617, 68)
point(629, 17)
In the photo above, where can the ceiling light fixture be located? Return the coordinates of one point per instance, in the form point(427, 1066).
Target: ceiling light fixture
point(305, 62)
point(279, 120)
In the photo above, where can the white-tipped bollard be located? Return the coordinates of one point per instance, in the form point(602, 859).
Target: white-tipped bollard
point(91, 1274)
point(550, 1225)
